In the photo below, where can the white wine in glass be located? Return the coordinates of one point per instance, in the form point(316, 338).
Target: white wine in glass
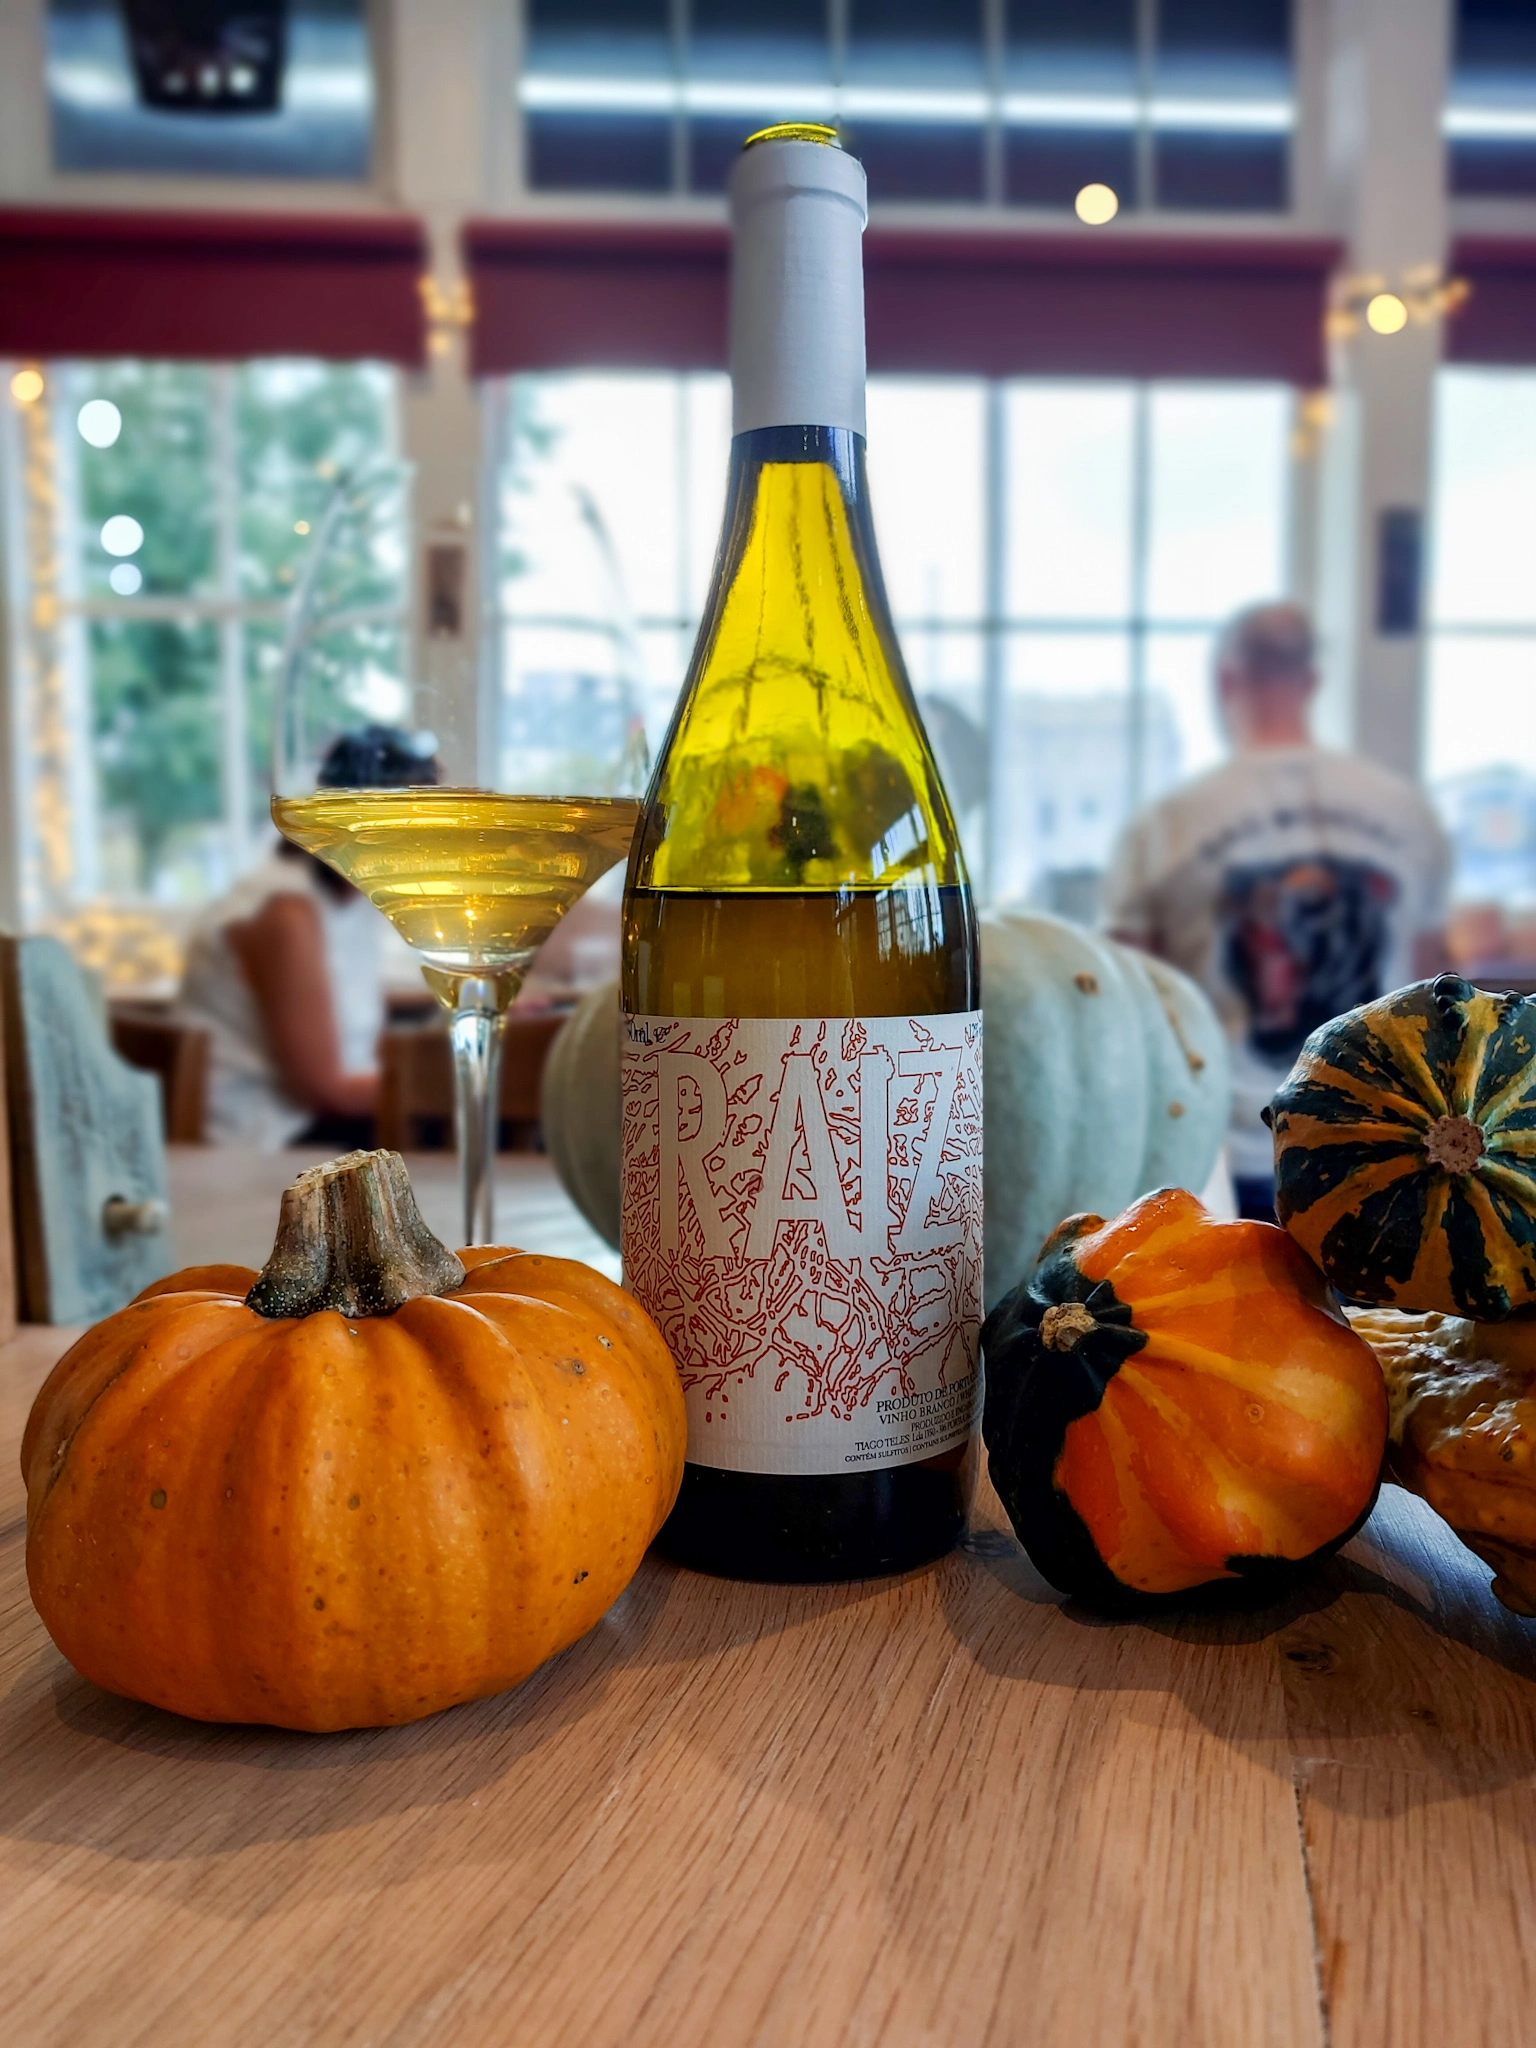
point(474, 879)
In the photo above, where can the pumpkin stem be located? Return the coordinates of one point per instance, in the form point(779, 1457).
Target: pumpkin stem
point(350, 1237)
point(1455, 1143)
point(1065, 1324)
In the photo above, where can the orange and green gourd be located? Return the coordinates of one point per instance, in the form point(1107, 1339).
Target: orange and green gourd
point(1405, 1150)
point(1176, 1404)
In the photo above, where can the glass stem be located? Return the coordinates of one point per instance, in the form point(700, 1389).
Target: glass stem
point(474, 1032)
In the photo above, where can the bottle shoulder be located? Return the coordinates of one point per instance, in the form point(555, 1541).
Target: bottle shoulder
point(797, 757)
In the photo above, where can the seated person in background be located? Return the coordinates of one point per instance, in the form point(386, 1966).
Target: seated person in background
point(285, 974)
point(1292, 884)
point(581, 952)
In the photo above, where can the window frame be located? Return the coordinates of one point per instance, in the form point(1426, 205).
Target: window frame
point(50, 886)
point(677, 95)
point(997, 627)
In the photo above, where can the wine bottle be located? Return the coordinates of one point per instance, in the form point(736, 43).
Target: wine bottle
point(802, 1057)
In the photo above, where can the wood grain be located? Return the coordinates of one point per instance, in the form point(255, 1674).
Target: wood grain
point(941, 1809)
point(1426, 1907)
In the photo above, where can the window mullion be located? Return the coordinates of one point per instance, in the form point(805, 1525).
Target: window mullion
point(994, 33)
point(1146, 66)
point(681, 165)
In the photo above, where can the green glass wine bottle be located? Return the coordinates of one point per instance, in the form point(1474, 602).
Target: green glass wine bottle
point(802, 1061)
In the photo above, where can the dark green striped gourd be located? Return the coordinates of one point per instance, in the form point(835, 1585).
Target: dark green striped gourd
point(1405, 1150)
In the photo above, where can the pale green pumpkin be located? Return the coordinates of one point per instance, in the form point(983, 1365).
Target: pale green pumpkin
point(1105, 1074)
point(580, 1108)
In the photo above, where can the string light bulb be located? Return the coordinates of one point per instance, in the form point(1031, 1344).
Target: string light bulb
point(1096, 204)
point(27, 386)
point(1386, 314)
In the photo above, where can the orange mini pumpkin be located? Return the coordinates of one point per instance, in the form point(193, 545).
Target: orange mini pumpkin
point(1175, 1403)
point(372, 1482)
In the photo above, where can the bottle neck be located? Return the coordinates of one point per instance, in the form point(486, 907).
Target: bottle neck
point(797, 288)
point(838, 449)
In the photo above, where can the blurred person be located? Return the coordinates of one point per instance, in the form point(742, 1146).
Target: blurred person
point(285, 973)
point(1292, 883)
point(581, 952)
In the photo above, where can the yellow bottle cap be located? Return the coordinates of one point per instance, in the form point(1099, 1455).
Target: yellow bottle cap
point(795, 131)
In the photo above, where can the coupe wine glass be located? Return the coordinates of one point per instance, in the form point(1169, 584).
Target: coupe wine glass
point(472, 817)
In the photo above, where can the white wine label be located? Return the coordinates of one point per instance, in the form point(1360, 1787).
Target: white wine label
point(802, 1217)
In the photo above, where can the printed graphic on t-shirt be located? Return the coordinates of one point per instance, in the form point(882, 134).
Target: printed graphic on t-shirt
point(1301, 941)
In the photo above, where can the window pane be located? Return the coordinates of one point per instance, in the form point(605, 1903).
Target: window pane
point(750, 63)
point(1482, 704)
point(599, 152)
point(1219, 469)
point(948, 670)
point(305, 429)
point(1065, 765)
point(610, 507)
point(1480, 730)
point(1069, 500)
point(604, 38)
point(926, 439)
point(773, 39)
point(706, 423)
point(1481, 763)
point(156, 473)
point(1483, 527)
point(904, 57)
point(262, 649)
point(103, 87)
point(605, 479)
point(918, 159)
point(1079, 47)
point(190, 498)
point(1490, 115)
point(1184, 736)
point(621, 139)
point(1490, 814)
point(154, 705)
point(1222, 105)
point(1221, 173)
point(916, 43)
point(1212, 50)
point(1046, 166)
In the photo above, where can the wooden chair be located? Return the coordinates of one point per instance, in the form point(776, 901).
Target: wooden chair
point(152, 1037)
point(416, 1082)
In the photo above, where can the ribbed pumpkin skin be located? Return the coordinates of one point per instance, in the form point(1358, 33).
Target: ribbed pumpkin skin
point(328, 1524)
point(1221, 1426)
point(1440, 1068)
point(1462, 1434)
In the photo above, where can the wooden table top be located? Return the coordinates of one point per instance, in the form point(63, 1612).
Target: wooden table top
point(941, 1809)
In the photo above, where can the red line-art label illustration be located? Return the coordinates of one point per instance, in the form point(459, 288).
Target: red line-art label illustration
point(802, 1217)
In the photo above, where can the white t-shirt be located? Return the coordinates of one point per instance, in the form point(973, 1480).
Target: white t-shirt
point(1291, 885)
point(247, 1104)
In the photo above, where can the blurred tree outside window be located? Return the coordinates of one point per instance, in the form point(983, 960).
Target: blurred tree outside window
point(170, 510)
